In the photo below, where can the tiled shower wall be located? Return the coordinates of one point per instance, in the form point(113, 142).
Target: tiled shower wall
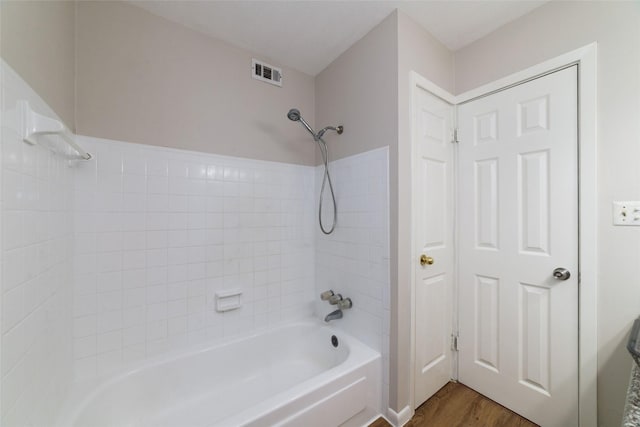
point(159, 231)
point(36, 286)
point(354, 260)
point(118, 259)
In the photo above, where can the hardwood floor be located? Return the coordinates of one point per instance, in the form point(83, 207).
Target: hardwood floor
point(456, 405)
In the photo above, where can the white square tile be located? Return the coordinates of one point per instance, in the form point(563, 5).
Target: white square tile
point(109, 321)
point(134, 163)
point(157, 185)
point(134, 298)
point(109, 261)
point(85, 346)
point(84, 368)
point(13, 347)
point(130, 222)
point(13, 268)
point(84, 305)
point(156, 330)
point(178, 203)
point(84, 326)
point(156, 312)
point(156, 294)
point(178, 168)
point(157, 166)
point(134, 278)
point(177, 221)
point(109, 281)
point(132, 260)
point(133, 335)
point(157, 239)
point(134, 240)
point(109, 341)
point(177, 326)
point(176, 308)
point(133, 316)
point(108, 362)
point(132, 202)
point(157, 221)
point(156, 276)
point(12, 308)
point(195, 187)
point(84, 243)
point(109, 183)
point(107, 202)
point(157, 202)
point(109, 301)
point(133, 354)
point(156, 257)
point(12, 231)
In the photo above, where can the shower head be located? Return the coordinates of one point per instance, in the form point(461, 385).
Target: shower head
point(294, 114)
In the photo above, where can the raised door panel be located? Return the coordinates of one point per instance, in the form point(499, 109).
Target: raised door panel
point(533, 176)
point(434, 228)
point(487, 329)
point(486, 196)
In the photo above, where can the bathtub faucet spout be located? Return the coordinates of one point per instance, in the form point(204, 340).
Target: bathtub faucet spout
point(333, 315)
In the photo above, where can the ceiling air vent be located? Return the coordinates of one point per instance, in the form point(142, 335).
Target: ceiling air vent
point(266, 73)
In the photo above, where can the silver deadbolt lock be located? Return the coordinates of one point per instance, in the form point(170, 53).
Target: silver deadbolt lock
point(561, 273)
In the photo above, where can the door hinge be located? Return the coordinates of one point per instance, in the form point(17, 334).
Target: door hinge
point(454, 342)
point(455, 137)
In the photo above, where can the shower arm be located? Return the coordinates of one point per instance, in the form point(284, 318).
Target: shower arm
point(321, 132)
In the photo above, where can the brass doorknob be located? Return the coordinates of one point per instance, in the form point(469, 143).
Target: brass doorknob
point(425, 260)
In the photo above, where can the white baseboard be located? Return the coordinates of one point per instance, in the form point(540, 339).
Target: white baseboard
point(398, 419)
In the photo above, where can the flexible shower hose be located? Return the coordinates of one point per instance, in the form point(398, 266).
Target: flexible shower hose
point(326, 178)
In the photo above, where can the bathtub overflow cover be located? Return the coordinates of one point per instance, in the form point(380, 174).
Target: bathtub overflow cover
point(334, 340)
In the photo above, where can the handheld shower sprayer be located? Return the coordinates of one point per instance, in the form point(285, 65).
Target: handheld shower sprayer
point(294, 115)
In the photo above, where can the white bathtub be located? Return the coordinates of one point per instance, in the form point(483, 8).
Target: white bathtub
point(289, 376)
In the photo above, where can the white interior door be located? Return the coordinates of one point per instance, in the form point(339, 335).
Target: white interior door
point(518, 215)
point(433, 239)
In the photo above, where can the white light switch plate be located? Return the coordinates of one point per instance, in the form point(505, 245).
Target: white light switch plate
point(626, 213)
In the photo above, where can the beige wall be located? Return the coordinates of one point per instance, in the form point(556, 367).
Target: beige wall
point(418, 51)
point(549, 31)
point(358, 90)
point(37, 39)
point(144, 79)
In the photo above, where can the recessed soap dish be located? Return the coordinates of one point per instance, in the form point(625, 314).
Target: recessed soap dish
point(228, 299)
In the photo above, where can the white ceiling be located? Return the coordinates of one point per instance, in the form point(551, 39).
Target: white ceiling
point(309, 35)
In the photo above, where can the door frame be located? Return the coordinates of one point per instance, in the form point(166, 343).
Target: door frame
point(586, 60)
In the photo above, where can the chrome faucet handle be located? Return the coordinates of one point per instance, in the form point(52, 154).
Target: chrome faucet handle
point(345, 304)
point(326, 295)
point(335, 299)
